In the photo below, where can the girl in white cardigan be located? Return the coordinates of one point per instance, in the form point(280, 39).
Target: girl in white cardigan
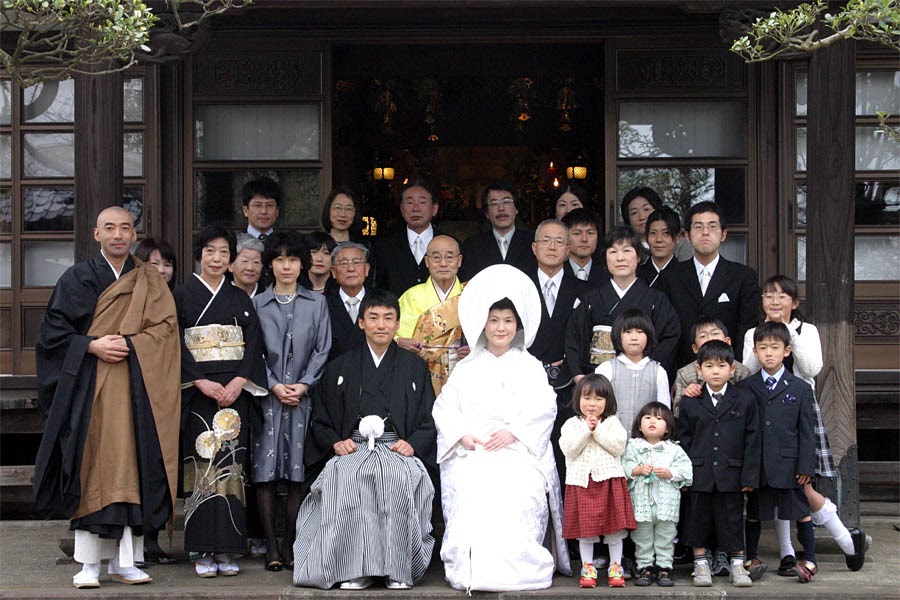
point(780, 299)
point(596, 500)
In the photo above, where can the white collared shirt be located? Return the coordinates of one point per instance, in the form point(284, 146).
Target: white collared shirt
point(710, 392)
point(256, 232)
point(619, 290)
point(711, 267)
point(425, 236)
point(778, 375)
point(587, 267)
point(345, 296)
point(115, 272)
point(557, 279)
point(508, 237)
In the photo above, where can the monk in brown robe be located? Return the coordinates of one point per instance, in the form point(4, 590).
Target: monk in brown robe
point(108, 458)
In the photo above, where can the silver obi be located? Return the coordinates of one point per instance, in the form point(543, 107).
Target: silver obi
point(215, 342)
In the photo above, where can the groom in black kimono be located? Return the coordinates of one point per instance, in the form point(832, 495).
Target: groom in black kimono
point(108, 458)
point(369, 513)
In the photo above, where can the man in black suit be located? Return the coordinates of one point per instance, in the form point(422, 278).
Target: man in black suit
point(709, 284)
point(261, 199)
point(559, 293)
point(400, 257)
point(504, 243)
point(663, 235)
point(349, 268)
point(584, 235)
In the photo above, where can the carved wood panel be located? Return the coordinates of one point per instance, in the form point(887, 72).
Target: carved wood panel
point(270, 76)
point(652, 70)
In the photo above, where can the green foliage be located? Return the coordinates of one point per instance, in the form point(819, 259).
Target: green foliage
point(797, 30)
point(56, 39)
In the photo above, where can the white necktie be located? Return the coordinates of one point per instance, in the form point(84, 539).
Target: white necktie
point(550, 295)
point(504, 246)
point(704, 280)
point(418, 251)
point(352, 308)
point(581, 274)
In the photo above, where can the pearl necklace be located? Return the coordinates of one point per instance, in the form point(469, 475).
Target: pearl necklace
point(289, 298)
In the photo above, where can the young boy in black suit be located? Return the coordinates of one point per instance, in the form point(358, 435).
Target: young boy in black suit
point(787, 421)
point(719, 430)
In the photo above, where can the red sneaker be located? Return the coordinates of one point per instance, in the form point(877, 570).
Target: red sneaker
point(588, 576)
point(616, 575)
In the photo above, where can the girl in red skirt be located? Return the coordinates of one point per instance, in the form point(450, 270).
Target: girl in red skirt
point(596, 501)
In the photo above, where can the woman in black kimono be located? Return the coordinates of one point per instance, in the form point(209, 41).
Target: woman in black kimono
point(222, 369)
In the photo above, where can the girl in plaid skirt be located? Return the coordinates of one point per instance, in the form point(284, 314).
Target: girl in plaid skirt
point(780, 299)
point(596, 500)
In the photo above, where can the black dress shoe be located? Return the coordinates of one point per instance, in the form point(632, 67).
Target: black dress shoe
point(787, 565)
point(856, 560)
point(159, 557)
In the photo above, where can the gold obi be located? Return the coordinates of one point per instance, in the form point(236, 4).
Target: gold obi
point(601, 345)
point(215, 342)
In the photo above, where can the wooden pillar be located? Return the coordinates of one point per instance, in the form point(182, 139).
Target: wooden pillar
point(98, 154)
point(830, 255)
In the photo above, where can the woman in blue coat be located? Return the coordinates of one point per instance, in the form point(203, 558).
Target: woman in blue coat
point(296, 332)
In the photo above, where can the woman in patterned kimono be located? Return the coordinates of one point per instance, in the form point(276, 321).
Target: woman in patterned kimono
point(499, 484)
point(296, 330)
point(222, 369)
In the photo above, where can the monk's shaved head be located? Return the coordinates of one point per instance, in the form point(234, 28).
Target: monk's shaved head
point(442, 242)
point(115, 214)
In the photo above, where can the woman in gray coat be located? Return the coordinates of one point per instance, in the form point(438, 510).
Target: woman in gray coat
point(296, 332)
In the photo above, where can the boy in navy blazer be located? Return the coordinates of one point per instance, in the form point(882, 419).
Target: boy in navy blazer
point(719, 430)
point(787, 420)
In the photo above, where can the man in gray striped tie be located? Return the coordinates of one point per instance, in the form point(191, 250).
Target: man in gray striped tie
point(368, 515)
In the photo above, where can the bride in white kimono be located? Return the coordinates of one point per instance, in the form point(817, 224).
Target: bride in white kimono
point(499, 484)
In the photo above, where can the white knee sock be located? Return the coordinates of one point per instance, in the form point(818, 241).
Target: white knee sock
point(586, 549)
point(783, 533)
point(614, 541)
point(827, 517)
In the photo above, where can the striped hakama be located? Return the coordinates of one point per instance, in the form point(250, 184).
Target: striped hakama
point(367, 515)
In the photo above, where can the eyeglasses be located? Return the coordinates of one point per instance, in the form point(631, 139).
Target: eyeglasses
point(344, 209)
point(549, 241)
point(346, 262)
point(449, 257)
point(498, 202)
point(262, 205)
point(710, 227)
point(780, 297)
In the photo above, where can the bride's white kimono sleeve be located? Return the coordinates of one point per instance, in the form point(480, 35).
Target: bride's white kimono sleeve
point(497, 505)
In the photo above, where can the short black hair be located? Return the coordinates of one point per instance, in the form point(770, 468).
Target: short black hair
point(705, 207)
point(499, 186)
point(704, 321)
point(356, 226)
point(601, 386)
point(634, 318)
point(715, 350)
point(507, 304)
point(582, 216)
point(422, 183)
point(265, 187)
point(667, 216)
point(316, 239)
point(381, 298)
point(211, 232)
point(570, 188)
point(772, 330)
point(287, 243)
point(623, 233)
point(148, 245)
point(639, 192)
point(655, 409)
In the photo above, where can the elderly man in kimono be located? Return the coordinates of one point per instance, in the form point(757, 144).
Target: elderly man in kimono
point(108, 458)
point(429, 321)
point(369, 513)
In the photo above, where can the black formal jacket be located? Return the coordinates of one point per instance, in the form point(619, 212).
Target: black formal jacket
point(336, 403)
point(651, 276)
point(549, 343)
point(723, 442)
point(481, 251)
point(787, 422)
point(345, 334)
point(395, 266)
point(601, 306)
point(598, 273)
point(739, 312)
